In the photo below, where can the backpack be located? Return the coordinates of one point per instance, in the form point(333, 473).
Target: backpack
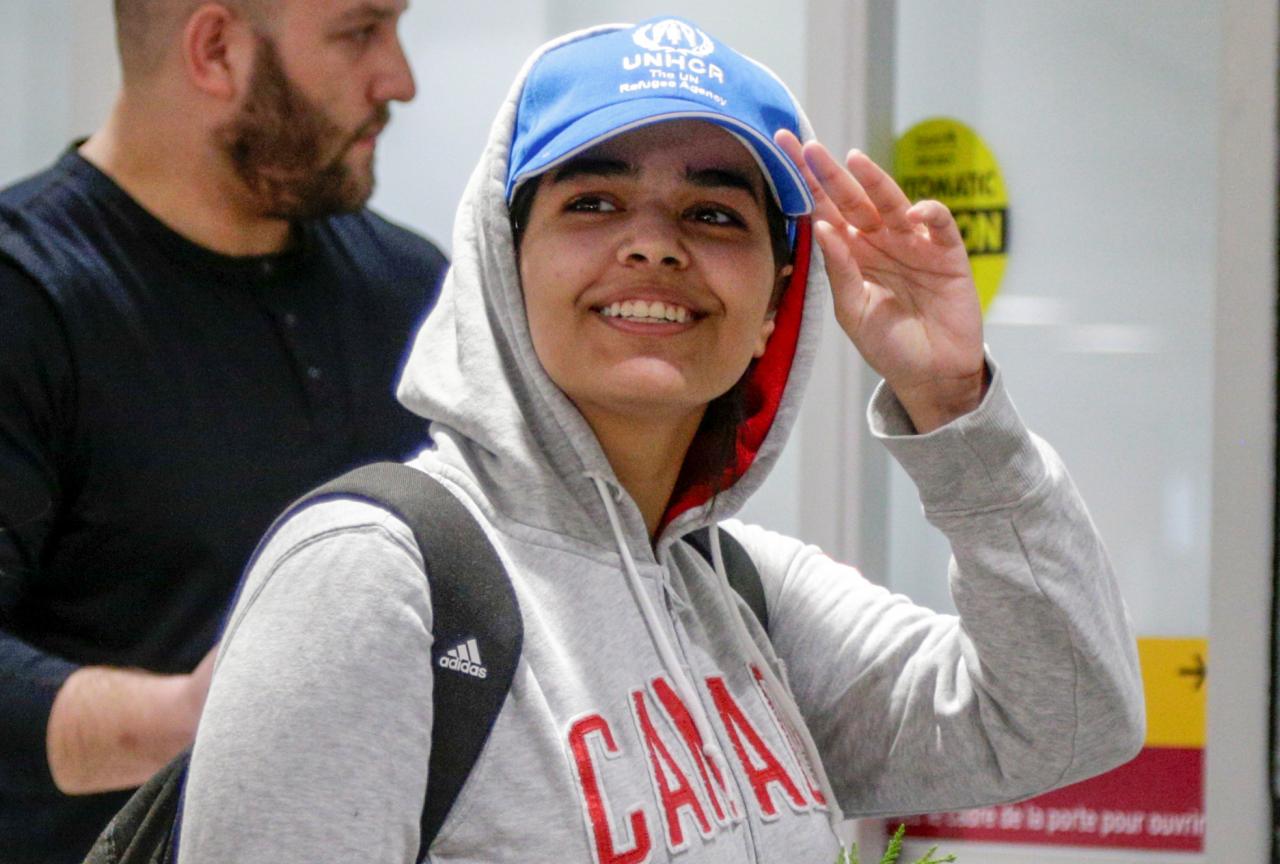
point(471, 598)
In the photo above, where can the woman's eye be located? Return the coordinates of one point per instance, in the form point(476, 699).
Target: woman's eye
point(714, 216)
point(591, 204)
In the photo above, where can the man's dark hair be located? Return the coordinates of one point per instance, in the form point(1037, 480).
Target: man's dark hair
point(143, 28)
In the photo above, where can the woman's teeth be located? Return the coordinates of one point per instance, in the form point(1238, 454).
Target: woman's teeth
point(641, 310)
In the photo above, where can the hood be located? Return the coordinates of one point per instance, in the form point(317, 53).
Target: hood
point(473, 374)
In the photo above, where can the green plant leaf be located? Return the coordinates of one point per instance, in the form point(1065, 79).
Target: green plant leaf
point(929, 859)
point(894, 850)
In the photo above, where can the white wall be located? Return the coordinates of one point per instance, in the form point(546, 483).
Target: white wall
point(51, 88)
point(464, 59)
point(31, 52)
point(1103, 117)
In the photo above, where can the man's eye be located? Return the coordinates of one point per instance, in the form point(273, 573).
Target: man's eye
point(362, 35)
point(591, 204)
point(714, 216)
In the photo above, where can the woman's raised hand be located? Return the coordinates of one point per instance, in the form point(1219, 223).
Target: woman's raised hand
point(901, 283)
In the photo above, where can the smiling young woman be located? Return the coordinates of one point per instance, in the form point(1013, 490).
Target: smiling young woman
point(642, 264)
point(648, 274)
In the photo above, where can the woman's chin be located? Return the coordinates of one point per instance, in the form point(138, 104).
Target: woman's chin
point(653, 383)
point(646, 399)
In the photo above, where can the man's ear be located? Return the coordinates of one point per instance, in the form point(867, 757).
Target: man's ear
point(218, 51)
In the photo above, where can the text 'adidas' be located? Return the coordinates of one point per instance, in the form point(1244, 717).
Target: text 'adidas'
point(464, 658)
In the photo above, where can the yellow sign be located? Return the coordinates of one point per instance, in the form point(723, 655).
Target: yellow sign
point(1174, 673)
point(945, 160)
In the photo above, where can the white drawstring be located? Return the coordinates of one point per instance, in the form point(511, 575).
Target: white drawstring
point(781, 695)
point(666, 651)
point(747, 647)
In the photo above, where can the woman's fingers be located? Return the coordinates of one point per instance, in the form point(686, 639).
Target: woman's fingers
point(859, 192)
point(843, 271)
point(837, 197)
point(935, 216)
point(882, 191)
point(823, 208)
point(860, 197)
point(842, 188)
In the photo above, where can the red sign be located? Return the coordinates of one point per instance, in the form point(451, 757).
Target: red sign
point(1103, 811)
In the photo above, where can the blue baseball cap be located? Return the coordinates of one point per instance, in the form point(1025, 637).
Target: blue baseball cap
point(585, 91)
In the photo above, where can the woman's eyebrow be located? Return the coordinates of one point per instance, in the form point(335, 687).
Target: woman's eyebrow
point(586, 166)
point(714, 178)
point(708, 178)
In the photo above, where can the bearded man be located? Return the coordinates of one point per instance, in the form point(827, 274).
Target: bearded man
point(198, 321)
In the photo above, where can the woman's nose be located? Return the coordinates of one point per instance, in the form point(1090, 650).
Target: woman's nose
point(653, 237)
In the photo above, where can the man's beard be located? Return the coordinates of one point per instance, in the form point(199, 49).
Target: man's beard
point(288, 151)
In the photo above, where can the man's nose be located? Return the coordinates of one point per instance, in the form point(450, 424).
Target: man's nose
point(394, 81)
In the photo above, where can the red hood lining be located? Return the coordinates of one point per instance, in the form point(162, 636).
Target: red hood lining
point(766, 382)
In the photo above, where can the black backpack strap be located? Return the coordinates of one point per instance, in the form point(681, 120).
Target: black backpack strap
point(473, 605)
point(142, 832)
point(741, 570)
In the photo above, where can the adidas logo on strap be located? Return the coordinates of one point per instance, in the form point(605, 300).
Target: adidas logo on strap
point(464, 658)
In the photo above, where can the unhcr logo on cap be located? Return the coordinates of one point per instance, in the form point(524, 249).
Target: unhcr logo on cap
point(609, 80)
point(678, 48)
point(673, 35)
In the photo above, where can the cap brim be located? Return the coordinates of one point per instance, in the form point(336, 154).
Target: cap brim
point(785, 181)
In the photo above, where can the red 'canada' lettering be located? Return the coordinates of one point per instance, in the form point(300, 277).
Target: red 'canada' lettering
point(593, 797)
point(765, 770)
point(708, 769)
point(675, 792)
point(792, 739)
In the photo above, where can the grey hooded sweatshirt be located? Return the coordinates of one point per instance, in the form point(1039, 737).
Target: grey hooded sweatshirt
point(651, 718)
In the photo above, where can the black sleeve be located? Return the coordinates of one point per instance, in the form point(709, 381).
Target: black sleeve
point(36, 409)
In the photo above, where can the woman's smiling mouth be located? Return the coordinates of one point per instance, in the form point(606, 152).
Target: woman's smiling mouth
point(654, 311)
